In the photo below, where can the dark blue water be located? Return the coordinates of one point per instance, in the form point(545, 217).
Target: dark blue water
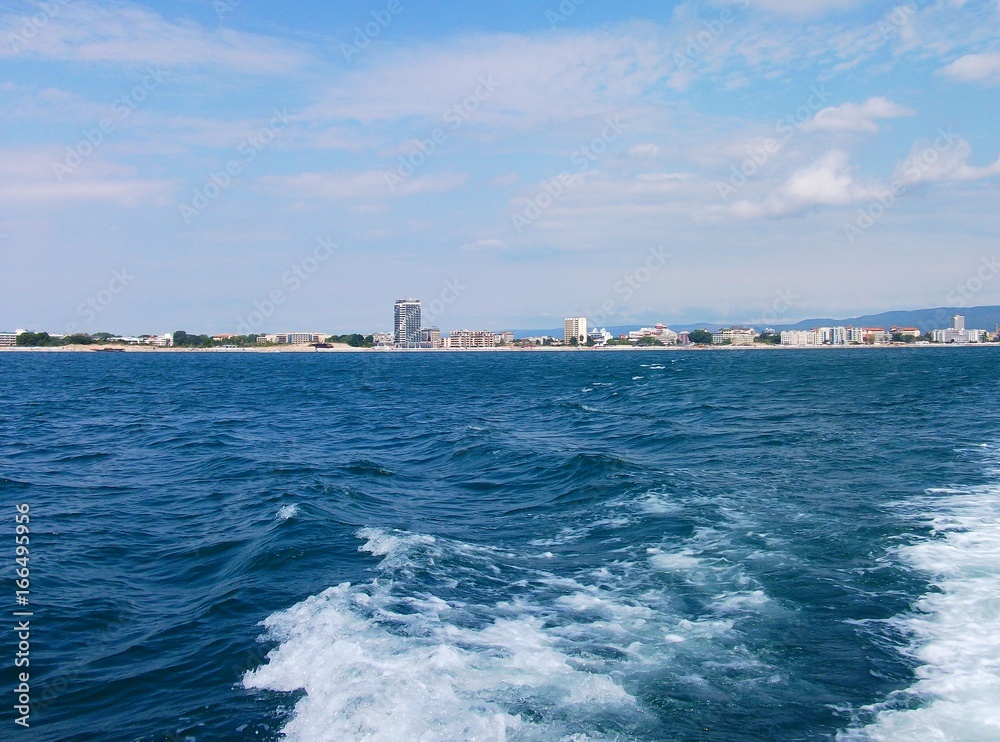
point(579, 546)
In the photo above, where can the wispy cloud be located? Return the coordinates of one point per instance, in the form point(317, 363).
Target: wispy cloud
point(975, 68)
point(363, 186)
point(861, 117)
point(829, 181)
point(128, 34)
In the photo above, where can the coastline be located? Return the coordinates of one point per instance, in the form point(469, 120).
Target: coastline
point(337, 348)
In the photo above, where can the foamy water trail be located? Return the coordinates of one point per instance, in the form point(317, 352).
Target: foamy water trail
point(380, 666)
point(548, 658)
point(955, 630)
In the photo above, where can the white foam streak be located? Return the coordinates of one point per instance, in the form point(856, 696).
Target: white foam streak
point(287, 511)
point(955, 632)
point(378, 666)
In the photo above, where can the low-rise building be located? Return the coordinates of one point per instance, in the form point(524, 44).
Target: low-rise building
point(506, 337)
point(432, 337)
point(951, 335)
point(659, 332)
point(540, 340)
point(800, 337)
point(599, 337)
point(734, 336)
point(291, 338)
point(876, 335)
point(469, 339)
point(8, 338)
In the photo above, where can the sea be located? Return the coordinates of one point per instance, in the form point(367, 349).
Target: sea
point(644, 545)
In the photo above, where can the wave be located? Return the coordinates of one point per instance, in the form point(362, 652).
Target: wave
point(454, 640)
point(953, 630)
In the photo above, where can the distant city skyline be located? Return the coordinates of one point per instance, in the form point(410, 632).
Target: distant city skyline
point(224, 165)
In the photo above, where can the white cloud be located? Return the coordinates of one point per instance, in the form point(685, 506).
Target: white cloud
point(855, 116)
point(506, 179)
point(128, 34)
point(826, 182)
point(945, 159)
point(975, 67)
point(802, 7)
point(484, 244)
point(503, 79)
point(30, 177)
point(373, 184)
point(644, 150)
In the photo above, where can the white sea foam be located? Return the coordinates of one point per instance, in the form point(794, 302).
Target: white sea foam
point(955, 630)
point(392, 660)
point(377, 666)
point(286, 512)
point(673, 562)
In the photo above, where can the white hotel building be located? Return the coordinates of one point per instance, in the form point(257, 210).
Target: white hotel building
point(839, 335)
point(957, 333)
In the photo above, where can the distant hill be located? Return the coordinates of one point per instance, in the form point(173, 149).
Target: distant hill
point(976, 318)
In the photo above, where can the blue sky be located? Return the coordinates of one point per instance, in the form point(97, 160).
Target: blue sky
point(216, 164)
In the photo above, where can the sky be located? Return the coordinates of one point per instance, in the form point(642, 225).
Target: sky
point(239, 165)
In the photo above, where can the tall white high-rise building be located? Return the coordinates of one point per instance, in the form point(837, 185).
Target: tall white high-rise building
point(958, 322)
point(575, 327)
point(406, 327)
